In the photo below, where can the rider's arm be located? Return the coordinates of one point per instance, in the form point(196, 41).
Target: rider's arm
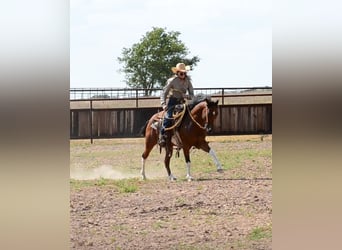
point(166, 90)
point(190, 89)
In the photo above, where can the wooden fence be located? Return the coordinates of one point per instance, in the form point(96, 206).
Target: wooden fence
point(127, 122)
point(113, 118)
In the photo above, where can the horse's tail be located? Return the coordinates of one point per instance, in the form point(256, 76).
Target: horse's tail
point(143, 129)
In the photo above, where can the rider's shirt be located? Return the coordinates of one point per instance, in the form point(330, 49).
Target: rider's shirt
point(175, 87)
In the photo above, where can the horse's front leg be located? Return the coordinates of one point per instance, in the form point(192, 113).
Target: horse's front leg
point(206, 148)
point(186, 152)
point(217, 162)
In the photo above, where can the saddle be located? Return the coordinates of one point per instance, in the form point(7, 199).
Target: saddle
point(177, 117)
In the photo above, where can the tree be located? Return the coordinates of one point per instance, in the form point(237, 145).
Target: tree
point(147, 64)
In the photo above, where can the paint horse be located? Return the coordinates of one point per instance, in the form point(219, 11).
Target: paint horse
point(190, 131)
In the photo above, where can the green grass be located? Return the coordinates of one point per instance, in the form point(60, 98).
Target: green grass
point(158, 225)
point(183, 246)
point(201, 162)
point(123, 156)
point(123, 186)
point(77, 184)
point(127, 185)
point(260, 233)
point(120, 228)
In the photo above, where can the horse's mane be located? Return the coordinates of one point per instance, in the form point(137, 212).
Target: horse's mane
point(197, 99)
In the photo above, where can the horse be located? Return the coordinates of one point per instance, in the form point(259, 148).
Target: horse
point(191, 131)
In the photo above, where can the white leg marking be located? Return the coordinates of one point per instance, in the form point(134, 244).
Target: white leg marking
point(217, 162)
point(188, 175)
point(143, 176)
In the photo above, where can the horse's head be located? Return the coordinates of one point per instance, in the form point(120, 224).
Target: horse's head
point(211, 113)
point(204, 112)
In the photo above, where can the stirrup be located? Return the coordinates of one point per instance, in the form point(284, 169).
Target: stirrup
point(162, 141)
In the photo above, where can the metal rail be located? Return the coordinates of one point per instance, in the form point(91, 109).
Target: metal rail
point(131, 93)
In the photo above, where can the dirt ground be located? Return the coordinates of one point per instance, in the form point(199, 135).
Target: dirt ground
point(229, 210)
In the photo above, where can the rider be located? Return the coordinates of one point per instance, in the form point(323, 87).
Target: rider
point(175, 89)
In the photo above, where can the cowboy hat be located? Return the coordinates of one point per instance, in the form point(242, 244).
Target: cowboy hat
point(180, 67)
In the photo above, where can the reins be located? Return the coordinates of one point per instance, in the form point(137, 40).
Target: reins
point(180, 116)
point(196, 122)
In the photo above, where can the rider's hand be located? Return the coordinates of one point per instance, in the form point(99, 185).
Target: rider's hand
point(164, 106)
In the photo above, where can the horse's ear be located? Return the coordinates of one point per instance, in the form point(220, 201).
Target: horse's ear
point(216, 102)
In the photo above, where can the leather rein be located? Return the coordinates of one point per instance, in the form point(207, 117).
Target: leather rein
point(196, 122)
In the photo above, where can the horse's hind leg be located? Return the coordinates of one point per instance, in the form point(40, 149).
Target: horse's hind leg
point(186, 152)
point(168, 156)
point(142, 172)
point(150, 141)
point(144, 156)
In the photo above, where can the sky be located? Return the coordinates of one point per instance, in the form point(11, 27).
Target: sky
point(233, 39)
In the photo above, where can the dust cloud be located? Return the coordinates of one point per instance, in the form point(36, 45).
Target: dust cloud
point(104, 171)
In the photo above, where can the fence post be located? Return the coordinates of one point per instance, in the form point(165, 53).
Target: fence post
point(91, 121)
point(220, 108)
point(136, 98)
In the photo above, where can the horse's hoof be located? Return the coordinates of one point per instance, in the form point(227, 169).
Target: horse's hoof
point(189, 178)
point(172, 178)
point(220, 170)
